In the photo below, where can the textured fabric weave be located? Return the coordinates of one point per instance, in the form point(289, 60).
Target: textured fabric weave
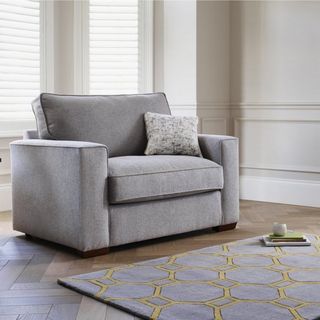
point(115, 121)
point(58, 192)
point(139, 221)
point(145, 178)
point(171, 134)
point(224, 151)
point(59, 178)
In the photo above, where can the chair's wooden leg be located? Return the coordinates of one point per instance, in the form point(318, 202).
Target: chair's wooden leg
point(225, 227)
point(94, 253)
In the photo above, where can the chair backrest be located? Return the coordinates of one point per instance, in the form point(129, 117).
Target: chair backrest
point(116, 121)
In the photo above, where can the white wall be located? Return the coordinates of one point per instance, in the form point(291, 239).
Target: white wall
point(175, 54)
point(275, 99)
point(257, 77)
point(213, 42)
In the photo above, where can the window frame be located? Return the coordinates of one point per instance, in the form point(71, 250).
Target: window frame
point(81, 46)
point(46, 46)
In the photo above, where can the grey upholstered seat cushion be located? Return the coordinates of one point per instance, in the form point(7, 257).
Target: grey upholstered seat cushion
point(144, 178)
point(115, 121)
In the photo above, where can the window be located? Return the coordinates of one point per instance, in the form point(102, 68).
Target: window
point(114, 46)
point(19, 54)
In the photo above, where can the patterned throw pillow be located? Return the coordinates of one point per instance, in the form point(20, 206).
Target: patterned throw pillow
point(171, 134)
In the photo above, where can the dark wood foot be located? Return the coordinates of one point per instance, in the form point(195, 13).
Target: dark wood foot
point(93, 253)
point(83, 254)
point(225, 227)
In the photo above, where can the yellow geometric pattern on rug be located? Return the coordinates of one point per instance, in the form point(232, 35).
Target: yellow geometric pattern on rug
point(238, 276)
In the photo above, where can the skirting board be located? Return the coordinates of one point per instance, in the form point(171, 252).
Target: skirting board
point(5, 197)
point(296, 192)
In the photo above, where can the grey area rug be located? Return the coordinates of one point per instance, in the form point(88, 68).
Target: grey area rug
point(241, 280)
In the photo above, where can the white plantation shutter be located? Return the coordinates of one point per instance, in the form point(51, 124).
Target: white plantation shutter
point(114, 46)
point(19, 54)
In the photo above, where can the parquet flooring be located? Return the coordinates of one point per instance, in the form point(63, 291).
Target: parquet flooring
point(29, 270)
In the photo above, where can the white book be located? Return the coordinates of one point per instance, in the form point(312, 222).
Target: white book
point(268, 243)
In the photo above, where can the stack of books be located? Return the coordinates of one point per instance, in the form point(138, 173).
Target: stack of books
point(291, 238)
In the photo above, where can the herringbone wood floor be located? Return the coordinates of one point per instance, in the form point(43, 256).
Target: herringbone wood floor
point(29, 270)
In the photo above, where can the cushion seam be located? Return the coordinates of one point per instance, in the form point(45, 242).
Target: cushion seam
point(162, 172)
point(169, 194)
point(45, 117)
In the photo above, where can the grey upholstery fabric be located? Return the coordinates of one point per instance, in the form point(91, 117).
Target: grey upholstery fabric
point(144, 178)
point(224, 151)
point(171, 134)
point(30, 134)
point(147, 220)
point(115, 121)
point(58, 192)
point(69, 192)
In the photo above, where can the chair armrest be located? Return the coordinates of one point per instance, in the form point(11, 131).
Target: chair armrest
point(59, 191)
point(224, 150)
point(58, 144)
point(30, 134)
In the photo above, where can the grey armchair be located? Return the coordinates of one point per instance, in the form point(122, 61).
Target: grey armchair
point(81, 180)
